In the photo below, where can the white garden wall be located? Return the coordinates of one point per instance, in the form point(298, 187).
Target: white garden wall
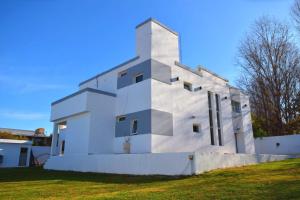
point(284, 145)
point(155, 163)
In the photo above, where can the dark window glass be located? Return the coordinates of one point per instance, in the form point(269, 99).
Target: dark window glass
point(211, 124)
point(218, 119)
point(121, 118)
point(134, 127)
point(236, 106)
point(62, 147)
point(187, 86)
point(139, 78)
point(196, 128)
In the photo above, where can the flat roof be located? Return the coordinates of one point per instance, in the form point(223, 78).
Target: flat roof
point(9, 141)
point(212, 73)
point(158, 23)
point(109, 70)
point(84, 90)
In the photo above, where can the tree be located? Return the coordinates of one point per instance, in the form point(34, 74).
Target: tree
point(296, 13)
point(270, 69)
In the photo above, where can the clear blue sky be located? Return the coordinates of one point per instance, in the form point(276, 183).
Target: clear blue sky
point(48, 46)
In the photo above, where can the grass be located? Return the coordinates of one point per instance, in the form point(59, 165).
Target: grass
point(277, 180)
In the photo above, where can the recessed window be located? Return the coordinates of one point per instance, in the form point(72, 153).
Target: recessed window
point(62, 126)
point(196, 128)
point(236, 106)
point(139, 78)
point(121, 118)
point(123, 73)
point(134, 126)
point(62, 149)
point(187, 86)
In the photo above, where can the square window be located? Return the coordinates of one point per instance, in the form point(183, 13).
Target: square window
point(134, 127)
point(196, 128)
point(121, 118)
point(123, 73)
point(187, 86)
point(139, 78)
point(236, 106)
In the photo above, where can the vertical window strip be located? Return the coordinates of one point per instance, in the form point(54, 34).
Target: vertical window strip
point(218, 119)
point(211, 124)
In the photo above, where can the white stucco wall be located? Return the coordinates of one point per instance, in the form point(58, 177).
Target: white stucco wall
point(41, 153)
point(11, 154)
point(138, 144)
point(102, 123)
point(76, 135)
point(288, 144)
point(189, 108)
point(134, 98)
point(138, 164)
point(156, 163)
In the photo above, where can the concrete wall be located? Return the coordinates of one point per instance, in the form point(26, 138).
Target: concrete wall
point(138, 164)
point(41, 153)
point(191, 107)
point(156, 163)
point(209, 161)
point(284, 145)
point(11, 154)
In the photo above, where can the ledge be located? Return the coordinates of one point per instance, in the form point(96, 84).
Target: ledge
point(157, 22)
point(84, 90)
point(105, 72)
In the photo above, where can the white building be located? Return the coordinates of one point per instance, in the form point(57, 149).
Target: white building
point(149, 104)
point(14, 153)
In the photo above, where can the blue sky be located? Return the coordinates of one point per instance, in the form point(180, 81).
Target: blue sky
point(47, 47)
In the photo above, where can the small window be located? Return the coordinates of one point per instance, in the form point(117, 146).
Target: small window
point(236, 106)
point(62, 126)
point(62, 150)
point(139, 78)
point(123, 73)
point(134, 126)
point(121, 118)
point(196, 128)
point(187, 86)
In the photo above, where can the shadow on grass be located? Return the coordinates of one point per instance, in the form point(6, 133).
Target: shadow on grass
point(39, 174)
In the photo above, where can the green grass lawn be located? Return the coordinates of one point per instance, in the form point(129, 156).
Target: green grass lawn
point(277, 180)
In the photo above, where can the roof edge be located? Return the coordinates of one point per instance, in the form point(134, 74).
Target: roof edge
point(158, 23)
point(82, 91)
point(212, 73)
point(109, 70)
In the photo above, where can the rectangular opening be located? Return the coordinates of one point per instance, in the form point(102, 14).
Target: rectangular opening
point(62, 126)
point(236, 106)
point(211, 123)
point(23, 156)
point(121, 118)
point(139, 78)
point(218, 113)
point(187, 86)
point(196, 128)
point(122, 73)
point(62, 149)
point(134, 126)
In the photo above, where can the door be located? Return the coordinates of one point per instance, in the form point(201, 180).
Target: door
point(23, 156)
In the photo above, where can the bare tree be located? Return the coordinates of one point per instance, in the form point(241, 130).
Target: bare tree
point(270, 65)
point(296, 13)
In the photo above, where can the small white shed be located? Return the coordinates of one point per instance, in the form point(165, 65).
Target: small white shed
point(15, 153)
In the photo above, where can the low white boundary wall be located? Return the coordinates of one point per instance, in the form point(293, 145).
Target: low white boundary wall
point(287, 144)
point(138, 164)
point(209, 161)
point(156, 163)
